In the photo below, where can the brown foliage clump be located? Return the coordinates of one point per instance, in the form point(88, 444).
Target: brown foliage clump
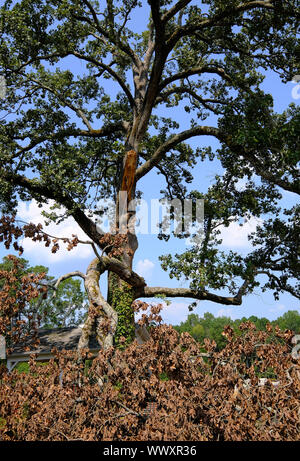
point(10, 233)
point(171, 388)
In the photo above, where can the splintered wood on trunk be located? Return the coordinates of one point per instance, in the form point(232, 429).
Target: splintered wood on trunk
point(129, 173)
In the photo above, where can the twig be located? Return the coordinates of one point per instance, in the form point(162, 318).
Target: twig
point(132, 412)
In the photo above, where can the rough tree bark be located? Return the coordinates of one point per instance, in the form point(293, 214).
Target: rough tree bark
point(121, 293)
point(101, 313)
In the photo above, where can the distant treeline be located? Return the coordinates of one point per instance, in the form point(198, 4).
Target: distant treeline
point(212, 327)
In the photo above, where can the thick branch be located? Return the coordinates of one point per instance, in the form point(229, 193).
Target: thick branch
point(91, 284)
point(157, 20)
point(237, 149)
point(242, 291)
point(123, 271)
point(161, 54)
point(174, 10)
point(54, 286)
point(150, 292)
point(170, 144)
point(97, 267)
point(35, 187)
point(87, 330)
point(216, 20)
point(150, 49)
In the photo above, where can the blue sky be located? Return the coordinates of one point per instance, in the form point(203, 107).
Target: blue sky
point(150, 248)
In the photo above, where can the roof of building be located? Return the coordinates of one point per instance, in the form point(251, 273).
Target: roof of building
point(59, 338)
point(65, 339)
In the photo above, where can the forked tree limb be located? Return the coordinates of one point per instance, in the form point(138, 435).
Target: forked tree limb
point(123, 271)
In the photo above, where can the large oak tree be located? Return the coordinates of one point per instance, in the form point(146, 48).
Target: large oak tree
point(76, 137)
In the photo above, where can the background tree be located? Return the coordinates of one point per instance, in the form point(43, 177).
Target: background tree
point(289, 321)
point(212, 327)
point(17, 290)
point(65, 138)
point(67, 308)
point(20, 267)
point(207, 326)
point(51, 307)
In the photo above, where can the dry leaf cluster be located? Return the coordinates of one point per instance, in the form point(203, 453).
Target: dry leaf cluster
point(171, 388)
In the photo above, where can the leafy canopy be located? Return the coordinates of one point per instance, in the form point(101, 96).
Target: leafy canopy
point(83, 87)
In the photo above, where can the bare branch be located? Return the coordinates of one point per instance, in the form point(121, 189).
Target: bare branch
point(129, 411)
point(65, 277)
point(150, 292)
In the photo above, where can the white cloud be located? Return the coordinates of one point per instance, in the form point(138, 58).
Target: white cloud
point(175, 313)
point(32, 213)
point(237, 236)
point(144, 268)
point(226, 312)
point(278, 308)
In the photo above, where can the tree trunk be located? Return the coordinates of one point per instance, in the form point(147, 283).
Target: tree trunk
point(101, 313)
point(115, 317)
point(121, 296)
point(87, 330)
